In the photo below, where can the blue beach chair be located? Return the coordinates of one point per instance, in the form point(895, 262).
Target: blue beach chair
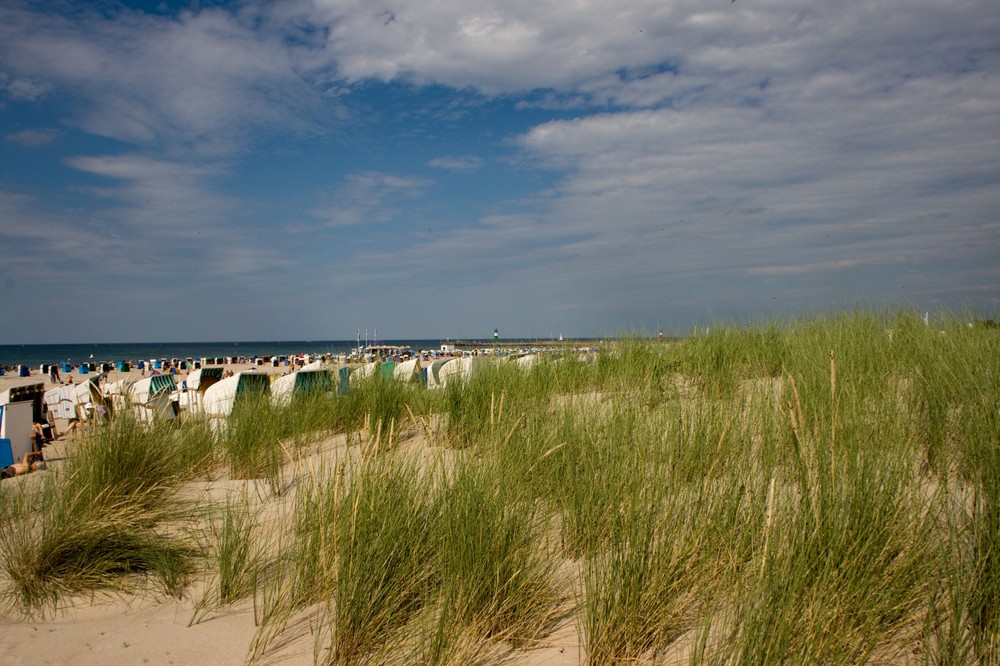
point(6, 453)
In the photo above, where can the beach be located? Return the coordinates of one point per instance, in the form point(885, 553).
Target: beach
point(11, 379)
point(125, 630)
point(732, 494)
point(152, 629)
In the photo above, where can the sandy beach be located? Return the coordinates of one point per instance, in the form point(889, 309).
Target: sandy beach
point(150, 629)
point(11, 379)
point(657, 506)
point(135, 629)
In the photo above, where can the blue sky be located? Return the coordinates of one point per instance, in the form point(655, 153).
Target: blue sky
point(176, 171)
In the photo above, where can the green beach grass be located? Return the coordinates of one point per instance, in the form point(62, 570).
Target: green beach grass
point(820, 490)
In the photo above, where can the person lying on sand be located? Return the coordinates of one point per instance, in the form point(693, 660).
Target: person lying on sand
point(25, 466)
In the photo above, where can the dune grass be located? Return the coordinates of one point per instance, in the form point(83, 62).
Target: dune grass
point(100, 522)
point(382, 573)
point(376, 399)
point(822, 490)
point(496, 574)
point(846, 567)
point(250, 440)
point(232, 555)
point(492, 402)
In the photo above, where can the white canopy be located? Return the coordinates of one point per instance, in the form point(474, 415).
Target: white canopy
point(118, 392)
point(202, 378)
point(221, 396)
point(406, 370)
point(154, 396)
point(284, 387)
point(457, 369)
point(434, 372)
point(365, 371)
point(60, 402)
point(527, 361)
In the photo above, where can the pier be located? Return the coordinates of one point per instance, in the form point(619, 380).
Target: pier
point(543, 343)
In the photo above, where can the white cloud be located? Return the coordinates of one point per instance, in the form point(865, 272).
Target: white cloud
point(50, 242)
point(368, 198)
point(457, 162)
point(208, 78)
point(524, 45)
point(806, 269)
point(22, 89)
point(172, 209)
point(32, 137)
point(199, 80)
point(497, 48)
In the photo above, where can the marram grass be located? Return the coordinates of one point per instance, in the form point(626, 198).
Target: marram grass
point(822, 490)
point(99, 521)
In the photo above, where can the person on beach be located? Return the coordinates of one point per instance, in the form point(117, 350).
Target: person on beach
point(50, 418)
point(38, 436)
point(26, 465)
point(54, 374)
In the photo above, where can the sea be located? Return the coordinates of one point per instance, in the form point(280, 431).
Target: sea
point(36, 355)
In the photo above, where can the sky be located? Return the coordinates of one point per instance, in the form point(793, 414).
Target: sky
point(303, 169)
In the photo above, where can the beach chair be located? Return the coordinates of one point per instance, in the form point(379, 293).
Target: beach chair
point(388, 369)
point(6, 453)
point(407, 371)
point(16, 427)
point(434, 373)
point(343, 381)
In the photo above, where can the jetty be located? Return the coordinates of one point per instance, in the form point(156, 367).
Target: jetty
point(541, 343)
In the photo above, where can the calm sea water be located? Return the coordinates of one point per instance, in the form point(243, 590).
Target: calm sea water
point(35, 355)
